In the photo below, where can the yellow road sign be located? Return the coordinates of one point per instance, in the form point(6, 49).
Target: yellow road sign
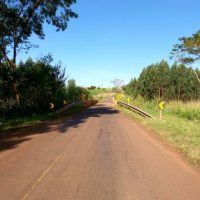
point(162, 105)
point(129, 99)
point(51, 105)
point(64, 102)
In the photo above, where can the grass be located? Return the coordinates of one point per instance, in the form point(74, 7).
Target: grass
point(189, 110)
point(21, 121)
point(101, 93)
point(180, 125)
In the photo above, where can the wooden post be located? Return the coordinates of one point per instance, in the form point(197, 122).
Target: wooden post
point(160, 114)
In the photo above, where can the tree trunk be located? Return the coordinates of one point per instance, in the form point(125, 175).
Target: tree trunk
point(15, 90)
point(179, 93)
point(162, 93)
point(14, 70)
point(196, 75)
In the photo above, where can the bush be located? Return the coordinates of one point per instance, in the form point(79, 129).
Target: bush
point(38, 84)
point(92, 87)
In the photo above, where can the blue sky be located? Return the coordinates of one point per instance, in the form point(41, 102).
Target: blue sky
point(116, 39)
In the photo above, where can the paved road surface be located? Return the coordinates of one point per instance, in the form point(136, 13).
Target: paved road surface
point(98, 154)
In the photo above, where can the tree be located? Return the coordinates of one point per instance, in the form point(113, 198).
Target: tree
point(131, 88)
point(162, 76)
point(117, 83)
point(92, 87)
point(20, 18)
point(160, 81)
point(188, 50)
point(39, 83)
point(74, 92)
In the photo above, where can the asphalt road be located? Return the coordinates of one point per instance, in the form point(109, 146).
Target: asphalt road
point(99, 154)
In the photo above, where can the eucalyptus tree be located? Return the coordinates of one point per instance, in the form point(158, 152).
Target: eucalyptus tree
point(19, 19)
point(160, 81)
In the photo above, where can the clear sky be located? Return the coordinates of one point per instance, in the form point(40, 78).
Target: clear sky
point(116, 39)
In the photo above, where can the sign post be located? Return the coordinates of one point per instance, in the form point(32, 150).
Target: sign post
point(160, 114)
point(162, 107)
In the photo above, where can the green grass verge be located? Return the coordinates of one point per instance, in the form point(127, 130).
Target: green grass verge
point(17, 122)
point(95, 92)
point(178, 130)
point(101, 94)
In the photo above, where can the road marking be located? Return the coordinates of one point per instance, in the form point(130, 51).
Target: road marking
point(45, 172)
point(51, 166)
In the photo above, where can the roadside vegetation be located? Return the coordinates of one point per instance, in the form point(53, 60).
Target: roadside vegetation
point(38, 84)
point(27, 88)
point(22, 121)
point(161, 81)
point(99, 93)
point(179, 88)
point(179, 127)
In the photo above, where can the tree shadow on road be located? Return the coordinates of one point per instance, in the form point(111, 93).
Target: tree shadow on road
point(12, 139)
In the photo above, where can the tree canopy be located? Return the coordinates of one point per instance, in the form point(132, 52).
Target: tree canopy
point(20, 18)
point(161, 81)
point(188, 50)
point(38, 84)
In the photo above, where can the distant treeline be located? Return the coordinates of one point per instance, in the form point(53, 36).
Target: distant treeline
point(160, 81)
point(38, 84)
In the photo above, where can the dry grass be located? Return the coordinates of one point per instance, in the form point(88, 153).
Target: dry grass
point(189, 110)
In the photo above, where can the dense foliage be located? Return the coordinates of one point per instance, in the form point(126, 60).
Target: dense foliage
point(92, 87)
point(75, 93)
point(160, 81)
point(19, 19)
point(38, 84)
point(188, 51)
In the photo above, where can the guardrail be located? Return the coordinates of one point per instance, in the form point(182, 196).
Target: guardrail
point(85, 104)
point(67, 107)
point(134, 109)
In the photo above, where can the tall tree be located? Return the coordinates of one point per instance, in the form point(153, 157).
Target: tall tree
point(188, 50)
point(160, 81)
point(20, 18)
point(117, 83)
point(131, 88)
